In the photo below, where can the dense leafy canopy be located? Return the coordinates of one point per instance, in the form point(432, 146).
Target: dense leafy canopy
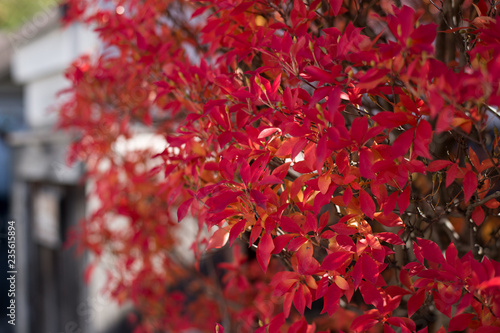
point(351, 144)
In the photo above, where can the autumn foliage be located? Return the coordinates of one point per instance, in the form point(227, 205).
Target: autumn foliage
point(342, 154)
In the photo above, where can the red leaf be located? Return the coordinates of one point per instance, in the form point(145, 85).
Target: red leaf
point(266, 246)
point(281, 171)
point(492, 204)
point(390, 238)
point(445, 117)
point(356, 274)
point(322, 153)
point(388, 329)
point(452, 255)
point(218, 239)
point(336, 5)
point(389, 220)
point(404, 199)
point(416, 301)
point(268, 132)
point(245, 173)
point(301, 144)
point(341, 282)
point(358, 130)
point(183, 209)
point(221, 201)
point(301, 326)
point(423, 137)
point(460, 322)
point(347, 196)
point(241, 8)
point(343, 229)
point(324, 182)
point(322, 286)
point(311, 223)
point(335, 260)
point(402, 143)
point(333, 101)
point(299, 300)
point(405, 279)
point(441, 306)
point(276, 85)
point(305, 261)
point(494, 282)
point(365, 163)
point(259, 198)
point(288, 99)
point(403, 323)
point(417, 250)
point(332, 299)
point(369, 268)
point(277, 322)
point(431, 251)
point(142, 44)
point(283, 282)
point(270, 180)
point(438, 165)
point(364, 322)
point(296, 243)
point(289, 225)
point(287, 303)
point(371, 295)
point(323, 221)
point(224, 138)
point(390, 203)
point(314, 73)
point(236, 230)
point(486, 164)
point(281, 241)
point(199, 11)
point(470, 185)
point(322, 199)
point(487, 328)
point(342, 161)
point(286, 147)
point(366, 203)
point(451, 174)
point(478, 215)
point(390, 119)
point(372, 78)
point(474, 159)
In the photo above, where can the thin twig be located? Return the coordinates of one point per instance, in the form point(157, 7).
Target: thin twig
point(438, 8)
point(468, 218)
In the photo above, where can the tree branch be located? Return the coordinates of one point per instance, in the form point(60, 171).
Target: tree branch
point(468, 216)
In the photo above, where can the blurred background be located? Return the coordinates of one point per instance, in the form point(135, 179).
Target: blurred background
point(38, 190)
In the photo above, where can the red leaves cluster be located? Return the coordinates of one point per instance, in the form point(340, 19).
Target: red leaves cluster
point(463, 282)
point(293, 129)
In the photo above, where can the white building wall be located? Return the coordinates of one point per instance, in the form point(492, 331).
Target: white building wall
point(40, 98)
point(38, 64)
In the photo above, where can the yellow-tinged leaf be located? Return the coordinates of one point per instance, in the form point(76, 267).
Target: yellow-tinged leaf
point(218, 239)
point(324, 182)
point(311, 282)
point(260, 21)
point(341, 282)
